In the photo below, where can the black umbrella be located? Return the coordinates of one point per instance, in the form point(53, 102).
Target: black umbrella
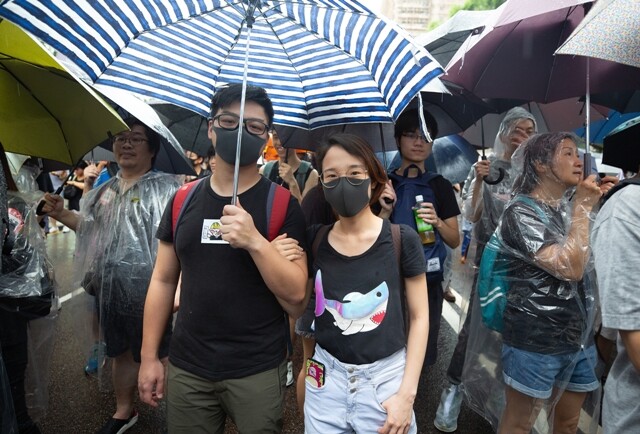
point(622, 146)
point(189, 128)
point(625, 101)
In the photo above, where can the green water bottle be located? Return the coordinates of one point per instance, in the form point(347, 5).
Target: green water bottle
point(425, 230)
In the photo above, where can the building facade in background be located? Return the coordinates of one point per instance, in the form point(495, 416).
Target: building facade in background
point(415, 16)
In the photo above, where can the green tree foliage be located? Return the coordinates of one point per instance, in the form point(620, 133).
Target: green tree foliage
point(477, 5)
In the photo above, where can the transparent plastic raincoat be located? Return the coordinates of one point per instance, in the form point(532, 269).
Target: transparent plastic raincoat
point(116, 245)
point(539, 283)
point(28, 308)
point(486, 207)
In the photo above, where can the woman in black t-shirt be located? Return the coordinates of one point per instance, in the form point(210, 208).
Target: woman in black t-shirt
point(547, 343)
point(364, 352)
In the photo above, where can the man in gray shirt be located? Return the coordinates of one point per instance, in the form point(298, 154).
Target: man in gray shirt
point(616, 247)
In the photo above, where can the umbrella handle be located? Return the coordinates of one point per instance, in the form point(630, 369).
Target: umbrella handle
point(42, 203)
point(500, 177)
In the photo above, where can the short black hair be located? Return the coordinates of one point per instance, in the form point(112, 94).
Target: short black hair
point(409, 120)
point(233, 92)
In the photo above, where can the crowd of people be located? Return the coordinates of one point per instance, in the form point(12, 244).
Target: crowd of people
point(347, 258)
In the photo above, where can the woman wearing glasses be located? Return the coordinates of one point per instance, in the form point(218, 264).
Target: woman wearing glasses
point(364, 374)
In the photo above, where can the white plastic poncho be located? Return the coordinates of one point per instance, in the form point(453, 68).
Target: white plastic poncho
point(493, 197)
point(116, 245)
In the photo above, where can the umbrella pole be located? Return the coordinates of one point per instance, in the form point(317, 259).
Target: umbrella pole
point(587, 155)
point(236, 168)
point(384, 148)
point(484, 157)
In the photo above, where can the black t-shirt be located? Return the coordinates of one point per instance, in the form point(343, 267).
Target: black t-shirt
point(359, 299)
point(230, 324)
point(544, 314)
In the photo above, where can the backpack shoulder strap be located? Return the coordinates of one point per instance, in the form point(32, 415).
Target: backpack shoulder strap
point(320, 234)
point(180, 200)
point(277, 205)
point(302, 174)
point(429, 176)
point(268, 168)
point(396, 237)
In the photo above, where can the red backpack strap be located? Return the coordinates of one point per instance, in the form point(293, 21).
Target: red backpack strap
point(277, 205)
point(180, 200)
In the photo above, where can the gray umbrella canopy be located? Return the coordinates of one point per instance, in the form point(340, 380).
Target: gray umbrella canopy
point(446, 39)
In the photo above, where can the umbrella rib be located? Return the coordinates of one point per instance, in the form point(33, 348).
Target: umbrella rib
point(484, 69)
point(288, 57)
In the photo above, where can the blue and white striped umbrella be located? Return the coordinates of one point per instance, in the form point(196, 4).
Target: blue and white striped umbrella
point(323, 62)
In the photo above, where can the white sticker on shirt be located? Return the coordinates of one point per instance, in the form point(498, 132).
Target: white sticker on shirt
point(433, 264)
point(211, 233)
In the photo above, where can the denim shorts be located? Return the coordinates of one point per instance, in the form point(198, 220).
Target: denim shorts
point(536, 374)
point(351, 398)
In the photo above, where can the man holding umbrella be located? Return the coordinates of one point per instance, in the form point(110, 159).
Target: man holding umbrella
point(228, 351)
point(115, 253)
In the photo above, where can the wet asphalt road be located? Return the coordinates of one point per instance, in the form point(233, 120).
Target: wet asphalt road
point(78, 404)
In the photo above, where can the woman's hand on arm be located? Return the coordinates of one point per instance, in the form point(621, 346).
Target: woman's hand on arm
point(285, 279)
point(400, 405)
point(289, 248)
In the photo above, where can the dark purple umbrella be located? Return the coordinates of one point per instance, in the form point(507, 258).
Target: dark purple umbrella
point(515, 59)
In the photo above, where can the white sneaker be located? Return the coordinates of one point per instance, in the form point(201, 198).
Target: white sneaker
point(65, 229)
point(289, 373)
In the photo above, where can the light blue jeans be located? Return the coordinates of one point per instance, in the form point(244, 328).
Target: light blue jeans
point(350, 400)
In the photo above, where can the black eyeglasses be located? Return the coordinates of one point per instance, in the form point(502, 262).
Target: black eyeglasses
point(230, 121)
point(411, 135)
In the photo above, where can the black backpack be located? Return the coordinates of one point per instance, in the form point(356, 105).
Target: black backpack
point(406, 191)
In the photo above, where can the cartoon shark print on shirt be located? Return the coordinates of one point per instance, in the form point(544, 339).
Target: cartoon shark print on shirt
point(357, 312)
